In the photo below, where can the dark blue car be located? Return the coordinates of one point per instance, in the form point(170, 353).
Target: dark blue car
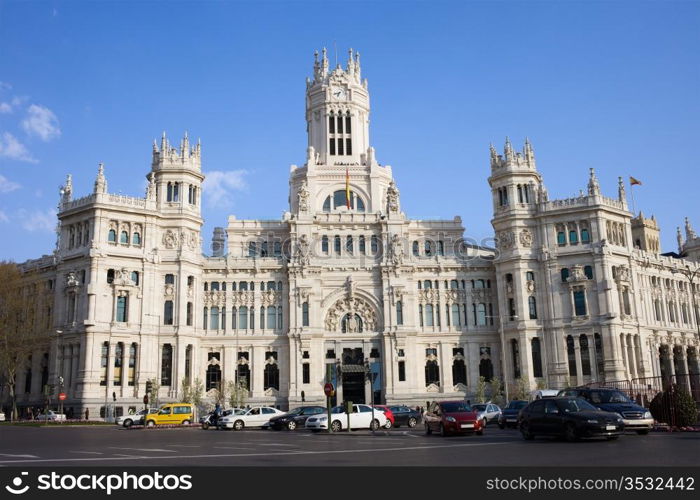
point(635, 417)
point(509, 414)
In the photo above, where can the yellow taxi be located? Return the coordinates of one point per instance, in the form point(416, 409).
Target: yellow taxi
point(171, 414)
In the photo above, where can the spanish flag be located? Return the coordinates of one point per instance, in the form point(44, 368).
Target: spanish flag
point(347, 188)
point(634, 181)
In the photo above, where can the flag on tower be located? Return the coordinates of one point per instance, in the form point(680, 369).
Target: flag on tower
point(347, 188)
point(634, 181)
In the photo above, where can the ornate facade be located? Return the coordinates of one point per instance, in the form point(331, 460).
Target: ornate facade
point(346, 288)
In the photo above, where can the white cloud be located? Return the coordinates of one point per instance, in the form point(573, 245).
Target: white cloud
point(5, 107)
point(37, 220)
point(41, 121)
point(220, 184)
point(6, 185)
point(4, 217)
point(11, 148)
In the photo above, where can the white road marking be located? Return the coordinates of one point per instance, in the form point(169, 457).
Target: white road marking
point(127, 456)
point(267, 454)
point(142, 449)
point(87, 452)
point(17, 456)
point(277, 444)
point(232, 448)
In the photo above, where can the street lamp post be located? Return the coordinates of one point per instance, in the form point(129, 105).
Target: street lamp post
point(157, 398)
point(504, 364)
point(368, 374)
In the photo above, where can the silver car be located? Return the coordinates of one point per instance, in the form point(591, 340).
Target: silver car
point(487, 412)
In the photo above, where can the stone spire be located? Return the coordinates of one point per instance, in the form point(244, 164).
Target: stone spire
point(324, 63)
point(679, 238)
point(100, 181)
point(593, 184)
point(151, 188)
point(621, 190)
point(67, 189)
point(689, 232)
point(508, 150)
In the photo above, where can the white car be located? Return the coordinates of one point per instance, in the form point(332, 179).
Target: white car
point(487, 412)
point(252, 417)
point(51, 416)
point(134, 419)
point(360, 418)
point(2, 417)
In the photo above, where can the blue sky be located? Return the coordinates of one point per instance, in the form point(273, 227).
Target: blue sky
point(612, 85)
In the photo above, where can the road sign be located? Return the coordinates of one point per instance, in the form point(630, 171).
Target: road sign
point(329, 390)
point(62, 396)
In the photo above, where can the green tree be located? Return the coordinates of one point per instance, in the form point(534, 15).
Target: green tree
point(22, 331)
point(522, 388)
point(238, 394)
point(480, 393)
point(192, 392)
point(497, 391)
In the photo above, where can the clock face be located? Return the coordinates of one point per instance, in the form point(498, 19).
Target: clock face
point(338, 93)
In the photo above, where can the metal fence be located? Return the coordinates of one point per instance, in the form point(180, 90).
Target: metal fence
point(643, 391)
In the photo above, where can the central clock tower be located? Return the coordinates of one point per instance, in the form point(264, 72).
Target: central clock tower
point(337, 112)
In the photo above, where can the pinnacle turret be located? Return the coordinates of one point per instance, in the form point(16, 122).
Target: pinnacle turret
point(593, 184)
point(510, 158)
point(168, 155)
point(100, 181)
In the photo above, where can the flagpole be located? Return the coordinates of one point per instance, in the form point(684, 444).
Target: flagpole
point(634, 205)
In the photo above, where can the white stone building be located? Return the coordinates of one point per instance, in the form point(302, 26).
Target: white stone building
point(576, 290)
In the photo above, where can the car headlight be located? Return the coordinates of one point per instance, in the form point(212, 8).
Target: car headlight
point(322, 419)
point(450, 419)
point(592, 421)
point(647, 414)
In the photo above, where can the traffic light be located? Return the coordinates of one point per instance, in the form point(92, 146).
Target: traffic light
point(149, 387)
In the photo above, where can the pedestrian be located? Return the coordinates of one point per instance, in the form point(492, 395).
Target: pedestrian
point(30, 413)
point(87, 413)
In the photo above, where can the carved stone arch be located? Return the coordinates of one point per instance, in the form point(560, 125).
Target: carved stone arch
point(327, 191)
point(360, 304)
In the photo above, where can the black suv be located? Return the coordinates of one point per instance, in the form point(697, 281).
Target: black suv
point(295, 418)
point(635, 417)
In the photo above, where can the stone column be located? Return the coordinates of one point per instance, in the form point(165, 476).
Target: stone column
point(471, 351)
point(685, 379)
point(229, 363)
point(592, 358)
point(579, 364)
point(256, 372)
point(625, 355)
point(445, 362)
point(631, 356)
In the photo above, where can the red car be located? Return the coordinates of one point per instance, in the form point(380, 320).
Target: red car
point(388, 414)
point(452, 417)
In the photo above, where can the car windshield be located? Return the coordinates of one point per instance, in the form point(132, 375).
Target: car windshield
point(295, 411)
point(574, 405)
point(608, 397)
point(516, 405)
point(455, 407)
point(479, 407)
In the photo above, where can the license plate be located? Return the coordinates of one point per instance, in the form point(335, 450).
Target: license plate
point(511, 420)
point(467, 426)
point(610, 427)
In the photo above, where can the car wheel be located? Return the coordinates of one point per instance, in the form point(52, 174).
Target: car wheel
point(128, 423)
point(374, 425)
point(238, 425)
point(643, 432)
point(412, 422)
point(483, 423)
point(291, 425)
point(388, 424)
point(428, 430)
point(442, 430)
point(150, 423)
point(205, 426)
point(525, 431)
point(336, 426)
point(186, 422)
point(570, 433)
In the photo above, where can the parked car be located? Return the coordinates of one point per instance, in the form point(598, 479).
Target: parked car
point(208, 420)
point(2, 417)
point(251, 417)
point(573, 418)
point(635, 417)
point(452, 417)
point(488, 412)
point(509, 414)
point(51, 416)
point(403, 415)
point(360, 418)
point(171, 414)
point(388, 414)
point(294, 418)
point(134, 418)
point(543, 393)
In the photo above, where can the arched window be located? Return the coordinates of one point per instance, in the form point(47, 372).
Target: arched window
point(571, 354)
point(428, 247)
point(136, 239)
point(415, 249)
point(324, 245)
point(135, 277)
point(271, 377)
point(427, 284)
point(349, 245)
point(536, 358)
point(399, 313)
point(166, 366)
point(363, 249)
point(459, 372)
point(213, 377)
point(124, 238)
point(374, 242)
point(532, 306)
point(573, 237)
point(132, 364)
point(252, 249)
point(352, 323)
point(170, 192)
point(189, 314)
point(561, 238)
point(588, 271)
point(338, 200)
point(515, 352)
point(564, 275)
point(118, 363)
point(336, 245)
point(432, 372)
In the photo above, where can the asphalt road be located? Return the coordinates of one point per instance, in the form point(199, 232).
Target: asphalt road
point(95, 446)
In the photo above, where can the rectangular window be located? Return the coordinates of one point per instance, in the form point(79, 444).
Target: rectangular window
point(306, 373)
point(349, 246)
point(122, 312)
point(348, 146)
point(332, 146)
point(348, 129)
point(305, 314)
point(340, 147)
point(166, 366)
point(580, 303)
point(340, 124)
point(189, 314)
point(324, 245)
point(169, 279)
point(402, 371)
point(374, 244)
point(362, 245)
point(168, 313)
point(336, 244)
point(399, 313)
point(511, 309)
point(561, 238)
point(331, 124)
